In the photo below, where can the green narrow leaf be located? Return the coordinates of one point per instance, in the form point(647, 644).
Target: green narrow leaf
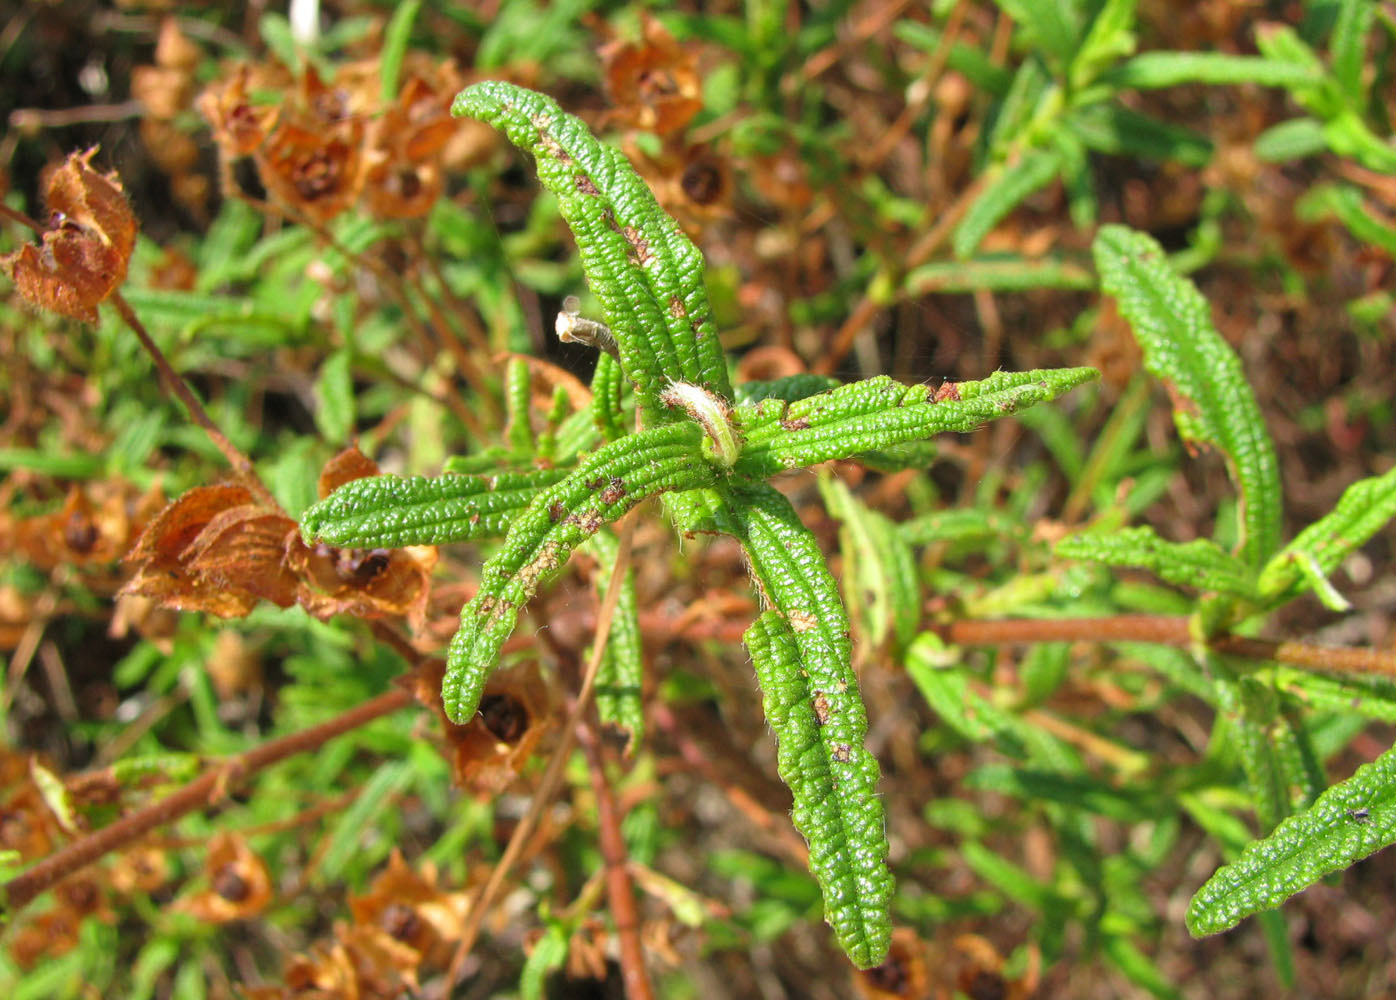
point(1347, 49)
point(1200, 564)
point(1212, 402)
point(947, 691)
point(395, 38)
point(880, 570)
point(393, 511)
point(359, 819)
point(802, 655)
point(1109, 38)
point(1013, 183)
point(647, 274)
point(1250, 708)
point(998, 273)
point(541, 539)
point(1373, 697)
point(1120, 131)
point(880, 413)
point(1043, 670)
point(518, 395)
point(970, 524)
point(1152, 70)
point(1346, 202)
point(605, 398)
point(334, 395)
point(789, 388)
point(1364, 509)
point(1349, 821)
point(618, 681)
point(1055, 25)
point(548, 954)
point(1291, 140)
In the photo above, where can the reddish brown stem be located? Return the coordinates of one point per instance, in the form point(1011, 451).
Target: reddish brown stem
point(552, 776)
point(619, 891)
point(203, 791)
point(1169, 631)
point(241, 464)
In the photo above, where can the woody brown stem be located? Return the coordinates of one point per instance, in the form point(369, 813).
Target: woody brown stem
point(619, 891)
point(552, 776)
point(241, 464)
point(1168, 631)
point(204, 791)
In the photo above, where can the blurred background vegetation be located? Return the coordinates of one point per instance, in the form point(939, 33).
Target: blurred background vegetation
point(878, 187)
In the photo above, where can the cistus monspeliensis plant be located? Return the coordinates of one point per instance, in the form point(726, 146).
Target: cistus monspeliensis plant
point(707, 449)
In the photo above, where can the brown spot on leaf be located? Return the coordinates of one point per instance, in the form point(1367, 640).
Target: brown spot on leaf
point(586, 186)
point(821, 707)
point(947, 391)
point(614, 491)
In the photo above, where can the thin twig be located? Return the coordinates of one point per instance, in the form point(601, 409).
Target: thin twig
point(919, 253)
point(241, 464)
point(619, 890)
point(36, 119)
point(1168, 631)
point(204, 791)
point(553, 775)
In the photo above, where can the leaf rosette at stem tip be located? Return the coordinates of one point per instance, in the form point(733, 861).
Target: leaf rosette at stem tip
point(647, 274)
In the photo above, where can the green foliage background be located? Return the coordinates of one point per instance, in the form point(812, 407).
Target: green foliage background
point(1064, 801)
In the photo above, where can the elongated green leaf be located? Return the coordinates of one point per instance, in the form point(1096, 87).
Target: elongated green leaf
point(605, 398)
point(970, 524)
point(541, 538)
point(1364, 509)
point(518, 397)
point(395, 39)
point(997, 273)
point(1120, 131)
point(1054, 26)
point(880, 569)
point(1373, 697)
point(789, 388)
point(947, 690)
point(1109, 39)
point(802, 654)
point(647, 274)
point(1348, 47)
point(1015, 181)
point(1201, 563)
point(618, 681)
point(1250, 708)
point(392, 511)
point(1169, 69)
point(879, 413)
point(1212, 402)
point(1348, 204)
point(1291, 140)
point(1348, 822)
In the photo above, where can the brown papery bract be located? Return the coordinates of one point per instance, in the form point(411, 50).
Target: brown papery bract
point(654, 83)
point(239, 885)
point(87, 246)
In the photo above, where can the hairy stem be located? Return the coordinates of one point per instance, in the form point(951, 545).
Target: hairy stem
point(204, 791)
point(1168, 631)
point(619, 891)
point(552, 776)
point(242, 465)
